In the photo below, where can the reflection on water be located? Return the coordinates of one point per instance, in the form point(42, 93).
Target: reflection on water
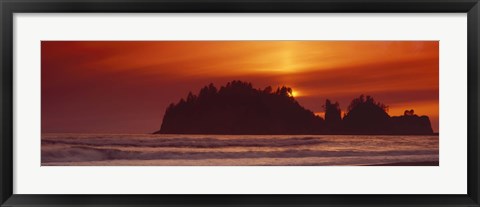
point(244, 150)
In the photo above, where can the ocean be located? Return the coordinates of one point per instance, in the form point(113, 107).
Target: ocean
point(237, 150)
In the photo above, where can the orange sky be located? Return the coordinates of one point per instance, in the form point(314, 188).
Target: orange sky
point(125, 86)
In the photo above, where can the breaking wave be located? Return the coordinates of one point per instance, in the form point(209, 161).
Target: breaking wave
point(140, 149)
point(72, 154)
point(186, 142)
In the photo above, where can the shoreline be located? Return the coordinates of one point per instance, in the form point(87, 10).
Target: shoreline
point(424, 163)
point(229, 162)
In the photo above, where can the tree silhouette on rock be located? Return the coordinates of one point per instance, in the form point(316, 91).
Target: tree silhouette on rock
point(410, 123)
point(238, 108)
point(333, 118)
point(365, 116)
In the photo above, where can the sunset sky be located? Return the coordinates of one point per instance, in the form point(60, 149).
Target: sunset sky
point(125, 86)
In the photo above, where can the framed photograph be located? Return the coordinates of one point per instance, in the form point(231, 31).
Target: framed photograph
point(239, 103)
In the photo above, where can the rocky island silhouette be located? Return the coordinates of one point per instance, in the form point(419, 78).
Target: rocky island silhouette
point(239, 108)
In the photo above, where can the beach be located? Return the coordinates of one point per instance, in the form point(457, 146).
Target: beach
point(238, 150)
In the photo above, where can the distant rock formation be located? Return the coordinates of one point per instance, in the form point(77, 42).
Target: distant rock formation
point(238, 108)
point(411, 124)
point(333, 117)
point(365, 116)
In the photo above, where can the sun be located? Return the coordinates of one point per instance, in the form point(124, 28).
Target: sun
point(294, 93)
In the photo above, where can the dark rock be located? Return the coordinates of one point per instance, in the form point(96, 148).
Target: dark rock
point(238, 108)
point(411, 124)
point(365, 116)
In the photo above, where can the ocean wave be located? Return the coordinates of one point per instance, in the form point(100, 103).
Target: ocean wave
point(77, 154)
point(185, 142)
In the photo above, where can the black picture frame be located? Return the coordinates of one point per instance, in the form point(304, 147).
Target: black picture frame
point(10, 7)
